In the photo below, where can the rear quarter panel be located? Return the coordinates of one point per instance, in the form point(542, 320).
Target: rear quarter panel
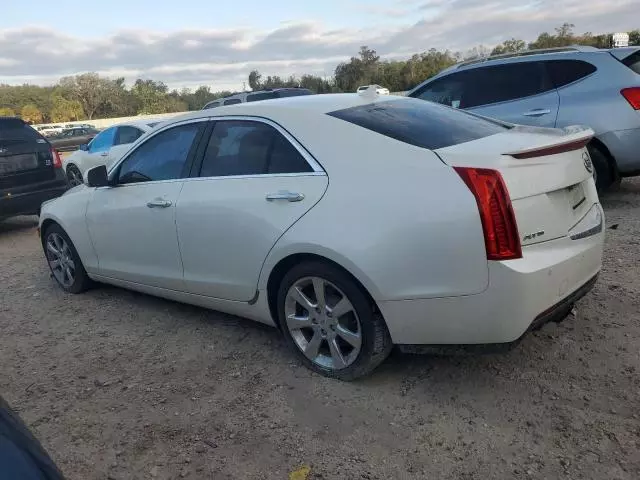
point(394, 215)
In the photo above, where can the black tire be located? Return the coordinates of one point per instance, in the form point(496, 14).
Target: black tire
point(604, 171)
point(375, 339)
point(81, 281)
point(73, 175)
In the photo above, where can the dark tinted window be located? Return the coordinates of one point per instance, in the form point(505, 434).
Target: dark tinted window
point(294, 92)
point(424, 124)
point(285, 158)
point(487, 85)
point(16, 129)
point(249, 148)
point(232, 101)
point(103, 141)
point(633, 62)
point(161, 157)
point(564, 72)
point(254, 97)
point(127, 134)
point(211, 105)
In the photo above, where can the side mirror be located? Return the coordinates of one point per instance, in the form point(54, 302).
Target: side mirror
point(84, 147)
point(97, 177)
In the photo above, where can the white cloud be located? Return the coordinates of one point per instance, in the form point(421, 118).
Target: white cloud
point(223, 58)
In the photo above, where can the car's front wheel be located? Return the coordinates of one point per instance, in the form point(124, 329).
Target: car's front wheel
point(330, 321)
point(64, 261)
point(74, 175)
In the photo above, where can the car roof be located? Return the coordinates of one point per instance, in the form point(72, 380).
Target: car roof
point(143, 125)
point(312, 104)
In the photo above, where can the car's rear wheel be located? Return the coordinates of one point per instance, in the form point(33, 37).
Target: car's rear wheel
point(330, 321)
point(64, 261)
point(74, 176)
point(603, 169)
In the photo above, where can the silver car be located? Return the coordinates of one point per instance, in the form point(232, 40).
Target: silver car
point(556, 88)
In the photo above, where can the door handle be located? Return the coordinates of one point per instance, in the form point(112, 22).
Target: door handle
point(104, 154)
point(288, 196)
point(538, 112)
point(159, 203)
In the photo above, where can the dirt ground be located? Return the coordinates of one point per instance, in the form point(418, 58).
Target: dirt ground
point(119, 385)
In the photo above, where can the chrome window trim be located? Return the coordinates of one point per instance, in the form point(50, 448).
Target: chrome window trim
point(317, 168)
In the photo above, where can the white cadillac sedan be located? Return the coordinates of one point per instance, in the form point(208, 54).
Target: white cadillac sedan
point(351, 222)
point(106, 148)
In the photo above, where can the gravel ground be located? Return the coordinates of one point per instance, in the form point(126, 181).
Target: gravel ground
point(119, 385)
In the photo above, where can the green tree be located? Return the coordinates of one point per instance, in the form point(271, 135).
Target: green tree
point(95, 93)
point(64, 110)
point(254, 80)
point(31, 114)
point(634, 37)
point(512, 45)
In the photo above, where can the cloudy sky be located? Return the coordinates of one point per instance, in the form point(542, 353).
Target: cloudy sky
point(194, 42)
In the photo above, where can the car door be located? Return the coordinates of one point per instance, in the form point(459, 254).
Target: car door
point(133, 223)
point(253, 183)
point(519, 92)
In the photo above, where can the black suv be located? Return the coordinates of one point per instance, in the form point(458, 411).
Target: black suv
point(30, 169)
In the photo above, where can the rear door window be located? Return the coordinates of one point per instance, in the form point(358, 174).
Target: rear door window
point(127, 134)
point(241, 147)
point(564, 72)
point(232, 101)
point(419, 123)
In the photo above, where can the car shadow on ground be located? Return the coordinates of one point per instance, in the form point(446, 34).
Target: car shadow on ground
point(15, 224)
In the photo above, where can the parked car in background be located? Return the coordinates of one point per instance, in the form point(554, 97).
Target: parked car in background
point(105, 148)
point(71, 138)
point(30, 169)
point(50, 130)
point(556, 88)
point(78, 125)
point(416, 224)
point(379, 90)
point(256, 95)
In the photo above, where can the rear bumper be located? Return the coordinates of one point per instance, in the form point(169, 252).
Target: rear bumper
point(522, 294)
point(624, 145)
point(29, 203)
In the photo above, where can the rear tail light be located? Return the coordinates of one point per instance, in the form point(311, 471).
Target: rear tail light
point(501, 236)
point(632, 95)
point(57, 161)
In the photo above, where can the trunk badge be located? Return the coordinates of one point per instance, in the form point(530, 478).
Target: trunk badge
point(588, 164)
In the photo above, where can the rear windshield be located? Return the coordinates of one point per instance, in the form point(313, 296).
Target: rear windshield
point(419, 122)
point(633, 62)
point(16, 129)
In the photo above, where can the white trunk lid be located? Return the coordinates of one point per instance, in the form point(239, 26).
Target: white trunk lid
point(550, 192)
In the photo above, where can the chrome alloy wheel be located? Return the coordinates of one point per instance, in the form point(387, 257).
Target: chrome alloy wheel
point(323, 323)
point(74, 176)
point(60, 259)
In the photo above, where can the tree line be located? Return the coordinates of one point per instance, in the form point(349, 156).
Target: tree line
point(90, 96)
